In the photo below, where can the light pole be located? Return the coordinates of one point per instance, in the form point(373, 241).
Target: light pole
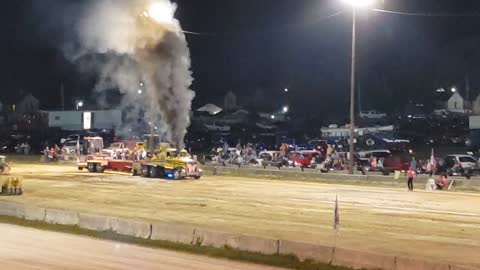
point(354, 4)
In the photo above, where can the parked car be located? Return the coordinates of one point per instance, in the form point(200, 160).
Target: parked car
point(459, 164)
point(392, 160)
point(466, 161)
point(272, 158)
point(71, 146)
point(303, 159)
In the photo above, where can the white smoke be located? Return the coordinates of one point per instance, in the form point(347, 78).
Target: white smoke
point(144, 43)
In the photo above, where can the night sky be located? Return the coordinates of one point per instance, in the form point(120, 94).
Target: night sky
point(248, 46)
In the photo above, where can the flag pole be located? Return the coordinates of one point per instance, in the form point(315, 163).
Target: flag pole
point(336, 221)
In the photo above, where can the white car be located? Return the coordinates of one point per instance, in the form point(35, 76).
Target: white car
point(466, 161)
point(71, 146)
point(115, 147)
point(375, 153)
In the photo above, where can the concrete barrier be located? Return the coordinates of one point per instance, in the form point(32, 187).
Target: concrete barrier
point(11, 209)
point(211, 238)
point(140, 229)
point(55, 216)
point(362, 260)
point(409, 264)
point(34, 213)
point(96, 222)
point(304, 251)
point(253, 244)
point(171, 232)
point(240, 242)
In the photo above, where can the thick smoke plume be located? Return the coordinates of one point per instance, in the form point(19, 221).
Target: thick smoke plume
point(143, 44)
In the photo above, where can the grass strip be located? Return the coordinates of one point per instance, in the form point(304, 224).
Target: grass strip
point(285, 261)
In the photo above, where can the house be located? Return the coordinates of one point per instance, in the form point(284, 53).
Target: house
point(476, 105)
point(456, 103)
point(230, 102)
point(28, 105)
point(23, 113)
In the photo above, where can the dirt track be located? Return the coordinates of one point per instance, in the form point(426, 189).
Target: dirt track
point(24, 248)
point(438, 226)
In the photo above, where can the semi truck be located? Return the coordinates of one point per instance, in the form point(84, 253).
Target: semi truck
point(165, 162)
point(171, 164)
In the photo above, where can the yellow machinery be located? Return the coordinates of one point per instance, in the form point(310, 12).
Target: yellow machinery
point(11, 185)
point(169, 163)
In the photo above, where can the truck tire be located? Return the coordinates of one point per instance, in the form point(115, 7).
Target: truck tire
point(176, 174)
point(92, 167)
point(153, 171)
point(196, 177)
point(100, 168)
point(145, 171)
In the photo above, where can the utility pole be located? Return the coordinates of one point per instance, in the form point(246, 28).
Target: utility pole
point(467, 87)
point(62, 97)
point(352, 96)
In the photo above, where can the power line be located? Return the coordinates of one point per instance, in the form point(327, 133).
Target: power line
point(319, 20)
point(427, 14)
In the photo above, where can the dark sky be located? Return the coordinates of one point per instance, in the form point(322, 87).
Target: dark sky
point(267, 45)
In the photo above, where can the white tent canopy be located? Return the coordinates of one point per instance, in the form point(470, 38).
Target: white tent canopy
point(210, 108)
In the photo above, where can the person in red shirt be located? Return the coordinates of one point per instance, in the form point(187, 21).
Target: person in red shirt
point(411, 177)
point(443, 182)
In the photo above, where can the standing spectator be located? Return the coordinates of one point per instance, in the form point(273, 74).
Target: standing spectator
point(45, 152)
point(373, 163)
point(283, 149)
point(26, 149)
point(413, 164)
point(52, 155)
point(411, 176)
point(58, 150)
point(380, 164)
point(329, 150)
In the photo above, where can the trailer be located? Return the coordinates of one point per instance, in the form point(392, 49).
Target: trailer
point(118, 166)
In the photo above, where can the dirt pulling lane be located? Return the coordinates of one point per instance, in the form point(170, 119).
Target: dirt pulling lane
point(25, 248)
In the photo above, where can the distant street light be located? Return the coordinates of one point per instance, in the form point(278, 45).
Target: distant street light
point(440, 90)
point(272, 116)
point(285, 109)
point(355, 4)
point(286, 89)
point(453, 89)
point(79, 104)
point(141, 84)
point(140, 91)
